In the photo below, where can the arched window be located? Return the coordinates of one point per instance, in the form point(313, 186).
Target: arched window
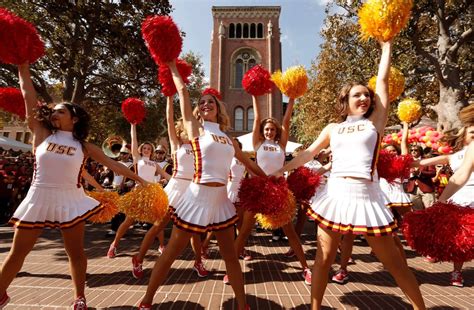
point(260, 31)
point(242, 62)
point(232, 30)
point(27, 137)
point(250, 119)
point(239, 119)
point(238, 31)
point(253, 31)
point(246, 31)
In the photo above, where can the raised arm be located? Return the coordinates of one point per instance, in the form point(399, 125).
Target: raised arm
point(133, 136)
point(31, 100)
point(174, 139)
point(461, 176)
point(404, 143)
point(285, 126)
point(380, 114)
point(191, 124)
point(257, 119)
point(247, 162)
point(96, 153)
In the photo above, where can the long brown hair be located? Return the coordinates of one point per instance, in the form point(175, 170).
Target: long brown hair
point(342, 104)
point(275, 123)
point(223, 118)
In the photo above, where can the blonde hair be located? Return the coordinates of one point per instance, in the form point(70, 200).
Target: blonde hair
point(223, 118)
point(144, 143)
point(466, 115)
point(179, 128)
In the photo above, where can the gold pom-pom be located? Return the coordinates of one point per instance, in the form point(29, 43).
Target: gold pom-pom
point(145, 203)
point(274, 221)
point(293, 83)
point(409, 110)
point(109, 202)
point(383, 19)
point(396, 83)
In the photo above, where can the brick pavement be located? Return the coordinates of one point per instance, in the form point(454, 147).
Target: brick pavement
point(272, 281)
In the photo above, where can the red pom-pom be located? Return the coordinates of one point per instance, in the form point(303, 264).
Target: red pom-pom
point(266, 195)
point(303, 182)
point(213, 92)
point(162, 38)
point(133, 110)
point(20, 40)
point(11, 100)
point(443, 231)
point(257, 81)
point(391, 166)
point(166, 79)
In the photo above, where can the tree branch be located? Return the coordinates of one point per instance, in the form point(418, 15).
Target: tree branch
point(465, 37)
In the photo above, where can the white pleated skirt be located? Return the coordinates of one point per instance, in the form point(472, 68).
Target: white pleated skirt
point(203, 208)
point(397, 198)
point(464, 196)
point(353, 206)
point(54, 207)
point(233, 191)
point(175, 189)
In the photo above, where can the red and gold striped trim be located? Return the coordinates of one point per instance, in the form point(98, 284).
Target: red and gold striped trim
point(375, 157)
point(193, 228)
point(197, 160)
point(358, 230)
point(399, 205)
point(79, 175)
point(175, 163)
point(49, 224)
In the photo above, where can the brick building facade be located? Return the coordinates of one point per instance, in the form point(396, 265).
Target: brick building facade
point(242, 37)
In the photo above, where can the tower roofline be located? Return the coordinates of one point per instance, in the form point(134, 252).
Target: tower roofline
point(245, 11)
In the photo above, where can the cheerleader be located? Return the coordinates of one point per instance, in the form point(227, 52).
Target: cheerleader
point(352, 201)
point(463, 196)
point(269, 142)
point(204, 206)
point(145, 168)
point(55, 198)
point(183, 160)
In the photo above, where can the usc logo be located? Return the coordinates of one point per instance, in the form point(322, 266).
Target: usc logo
point(61, 149)
point(270, 148)
point(351, 129)
point(221, 139)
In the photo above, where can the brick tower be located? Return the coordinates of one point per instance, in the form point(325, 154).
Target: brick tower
point(242, 37)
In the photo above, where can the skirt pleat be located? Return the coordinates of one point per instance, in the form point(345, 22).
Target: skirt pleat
point(395, 194)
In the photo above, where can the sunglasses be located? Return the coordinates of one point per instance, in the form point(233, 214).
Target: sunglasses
point(160, 152)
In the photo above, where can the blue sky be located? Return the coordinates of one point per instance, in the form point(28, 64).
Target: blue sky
point(300, 23)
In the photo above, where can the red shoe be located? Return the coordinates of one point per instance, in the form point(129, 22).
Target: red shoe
point(205, 253)
point(456, 279)
point(200, 270)
point(307, 276)
point(137, 268)
point(4, 300)
point(144, 306)
point(161, 249)
point(80, 303)
point(226, 279)
point(341, 276)
point(290, 253)
point(112, 252)
point(245, 256)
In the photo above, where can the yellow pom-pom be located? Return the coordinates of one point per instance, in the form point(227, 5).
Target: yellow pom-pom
point(145, 203)
point(274, 221)
point(109, 202)
point(383, 19)
point(409, 110)
point(396, 83)
point(293, 83)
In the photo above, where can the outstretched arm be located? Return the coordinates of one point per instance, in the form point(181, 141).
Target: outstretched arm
point(90, 179)
point(285, 126)
point(247, 162)
point(257, 118)
point(174, 139)
point(404, 143)
point(133, 136)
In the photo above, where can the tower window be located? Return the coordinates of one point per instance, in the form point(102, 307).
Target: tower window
point(239, 119)
point(253, 31)
point(242, 62)
point(238, 31)
point(250, 119)
point(260, 31)
point(246, 31)
point(232, 30)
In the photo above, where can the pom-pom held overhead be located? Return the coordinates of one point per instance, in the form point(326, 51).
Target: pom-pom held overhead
point(396, 83)
point(145, 203)
point(383, 19)
point(109, 202)
point(213, 92)
point(303, 182)
point(11, 100)
point(443, 231)
point(162, 38)
point(133, 109)
point(409, 110)
point(391, 166)
point(265, 195)
point(293, 82)
point(257, 81)
point(283, 217)
point(166, 79)
point(20, 41)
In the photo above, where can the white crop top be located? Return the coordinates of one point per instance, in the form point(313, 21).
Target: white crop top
point(59, 160)
point(355, 145)
point(146, 169)
point(270, 156)
point(183, 162)
point(213, 153)
point(237, 171)
point(455, 161)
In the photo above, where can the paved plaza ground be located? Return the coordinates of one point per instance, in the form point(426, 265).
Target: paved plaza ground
point(272, 281)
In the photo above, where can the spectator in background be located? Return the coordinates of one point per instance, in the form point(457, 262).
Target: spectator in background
point(420, 186)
